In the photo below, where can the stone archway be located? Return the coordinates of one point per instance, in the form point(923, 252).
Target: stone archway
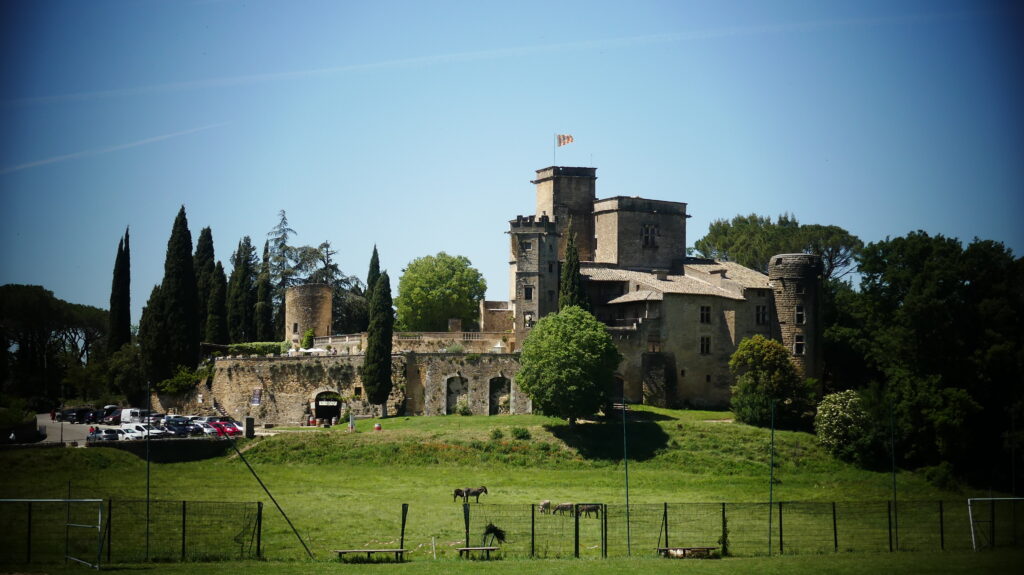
point(327, 406)
point(618, 389)
point(499, 396)
point(456, 392)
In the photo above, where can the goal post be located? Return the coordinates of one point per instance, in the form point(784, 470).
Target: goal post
point(992, 517)
point(79, 515)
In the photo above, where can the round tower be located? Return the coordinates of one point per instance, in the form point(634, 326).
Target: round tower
point(307, 307)
point(796, 286)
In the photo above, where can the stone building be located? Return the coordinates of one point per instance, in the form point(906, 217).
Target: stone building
point(675, 319)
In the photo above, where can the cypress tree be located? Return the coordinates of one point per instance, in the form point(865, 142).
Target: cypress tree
point(377, 362)
point(242, 293)
point(203, 262)
point(153, 337)
point(120, 318)
point(571, 291)
point(373, 274)
point(181, 298)
point(265, 300)
point(217, 314)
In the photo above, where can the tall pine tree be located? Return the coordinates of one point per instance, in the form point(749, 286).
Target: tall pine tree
point(120, 331)
point(203, 262)
point(377, 361)
point(217, 312)
point(265, 300)
point(571, 291)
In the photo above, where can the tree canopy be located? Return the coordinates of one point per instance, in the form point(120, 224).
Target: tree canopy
point(120, 330)
point(765, 375)
point(568, 364)
point(434, 289)
point(377, 361)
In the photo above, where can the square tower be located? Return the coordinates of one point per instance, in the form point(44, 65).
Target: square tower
point(567, 194)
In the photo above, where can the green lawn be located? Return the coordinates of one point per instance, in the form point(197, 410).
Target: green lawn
point(345, 490)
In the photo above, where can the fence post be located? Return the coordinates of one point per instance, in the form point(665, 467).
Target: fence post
point(725, 533)
point(664, 521)
point(576, 530)
point(401, 539)
point(604, 530)
point(110, 525)
point(991, 526)
point(835, 528)
point(259, 529)
point(888, 509)
point(533, 530)
point(28, 539)
point(782, 548)
point(465, 517)
point(184, 523)
point(942, 529)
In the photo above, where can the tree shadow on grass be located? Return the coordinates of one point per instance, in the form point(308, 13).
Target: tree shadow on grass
point(602, 440)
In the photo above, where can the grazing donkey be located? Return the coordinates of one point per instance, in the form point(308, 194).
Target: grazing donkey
point(475, 492)
point(545, 507)
point(563, 508)
point(586, 510)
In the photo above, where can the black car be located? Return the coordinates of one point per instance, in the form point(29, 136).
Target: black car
point(178, 429)
point(76, 415)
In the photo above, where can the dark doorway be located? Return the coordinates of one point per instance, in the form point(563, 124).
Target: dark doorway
point(327, 406)
point(500, 396)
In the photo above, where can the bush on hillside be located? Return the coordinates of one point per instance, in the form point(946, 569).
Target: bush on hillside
point(765, 375)
point(257, 348)
point(845, 429)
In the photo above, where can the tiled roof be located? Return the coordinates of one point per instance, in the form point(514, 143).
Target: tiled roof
point(700, 279)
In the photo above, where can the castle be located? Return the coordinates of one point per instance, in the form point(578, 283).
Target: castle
point(675, 319)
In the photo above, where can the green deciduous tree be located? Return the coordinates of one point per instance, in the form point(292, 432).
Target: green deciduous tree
point(120, 330)
point(376, 373)
point(434, 289)
point(568, 364)
point(765, 374)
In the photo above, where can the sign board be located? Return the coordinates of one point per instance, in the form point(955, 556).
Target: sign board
point(327, 402)
point(257, 395)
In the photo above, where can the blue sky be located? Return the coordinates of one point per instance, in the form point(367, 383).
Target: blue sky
point(416, 126)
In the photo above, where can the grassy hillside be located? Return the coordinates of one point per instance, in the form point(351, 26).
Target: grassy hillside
point(344, 489)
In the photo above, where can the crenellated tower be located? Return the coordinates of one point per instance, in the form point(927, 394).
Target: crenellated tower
point(795, 280)
point(533, 266)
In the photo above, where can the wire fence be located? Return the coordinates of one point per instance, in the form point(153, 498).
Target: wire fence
point(739, 529)
point(121, 531)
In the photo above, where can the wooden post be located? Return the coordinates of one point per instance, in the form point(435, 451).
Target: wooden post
point(184, 525)
point(465, 516)
point(576, 536)
point(725, 533)
point(664, 521)
point(401, 538)
point(604, 530)
point(259, 529)
point(533, 529)
point(835, 528)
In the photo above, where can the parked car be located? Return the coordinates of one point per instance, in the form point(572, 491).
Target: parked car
point(144, 429)
point(225, 428)
point(105, 434)
point(113, 418)
point(179, 429)
point(95, 416)
point(206, 429)
point(154, 418)
point(129, 431)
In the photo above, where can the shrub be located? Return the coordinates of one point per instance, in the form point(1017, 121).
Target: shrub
point(496, 434)
point(255, 348)
point(307, 339)
point(462, 408)
point(764, 374)
point(844, 427)
point(520, 433)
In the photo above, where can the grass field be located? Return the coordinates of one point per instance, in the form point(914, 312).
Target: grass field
point(345, 490)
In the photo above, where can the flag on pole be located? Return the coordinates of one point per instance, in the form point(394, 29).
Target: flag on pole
point(564, 139)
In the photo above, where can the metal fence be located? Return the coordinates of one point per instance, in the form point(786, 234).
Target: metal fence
point(129, 531)
point(737, 529)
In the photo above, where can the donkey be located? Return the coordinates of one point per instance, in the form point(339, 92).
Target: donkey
point(563, 508)
point(589, 508)
point(475, 492)
point(459, 493)
point(545, 507)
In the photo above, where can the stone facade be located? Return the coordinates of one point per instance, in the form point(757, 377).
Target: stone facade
point(307, 307)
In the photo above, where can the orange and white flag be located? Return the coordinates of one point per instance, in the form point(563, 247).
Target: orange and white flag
point(564, 139)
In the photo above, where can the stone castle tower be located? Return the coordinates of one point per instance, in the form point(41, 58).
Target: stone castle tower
point(307, 307)
point(795, 280)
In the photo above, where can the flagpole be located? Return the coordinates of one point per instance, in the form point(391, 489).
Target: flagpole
point(554, 149)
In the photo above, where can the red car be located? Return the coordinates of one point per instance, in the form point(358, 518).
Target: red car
point(225, 428)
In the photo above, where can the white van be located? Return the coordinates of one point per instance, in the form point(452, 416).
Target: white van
point(133, 415)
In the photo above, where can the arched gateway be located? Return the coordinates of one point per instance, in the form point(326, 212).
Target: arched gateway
point(327, 406)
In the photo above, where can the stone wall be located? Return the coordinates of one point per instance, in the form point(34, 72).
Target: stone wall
point(282, 390)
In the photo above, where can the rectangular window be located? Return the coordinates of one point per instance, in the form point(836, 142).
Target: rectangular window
point(705, 345)
point(528, 293)
point(761, 315)
point(800, 289)
point(798, 345)
point(649, 235)
point(705, 314)
point(526, 246)
point(551, 267)
point(800, 314)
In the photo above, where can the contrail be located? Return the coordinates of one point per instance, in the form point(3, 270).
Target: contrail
point(499, 53)
point(98, 151)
